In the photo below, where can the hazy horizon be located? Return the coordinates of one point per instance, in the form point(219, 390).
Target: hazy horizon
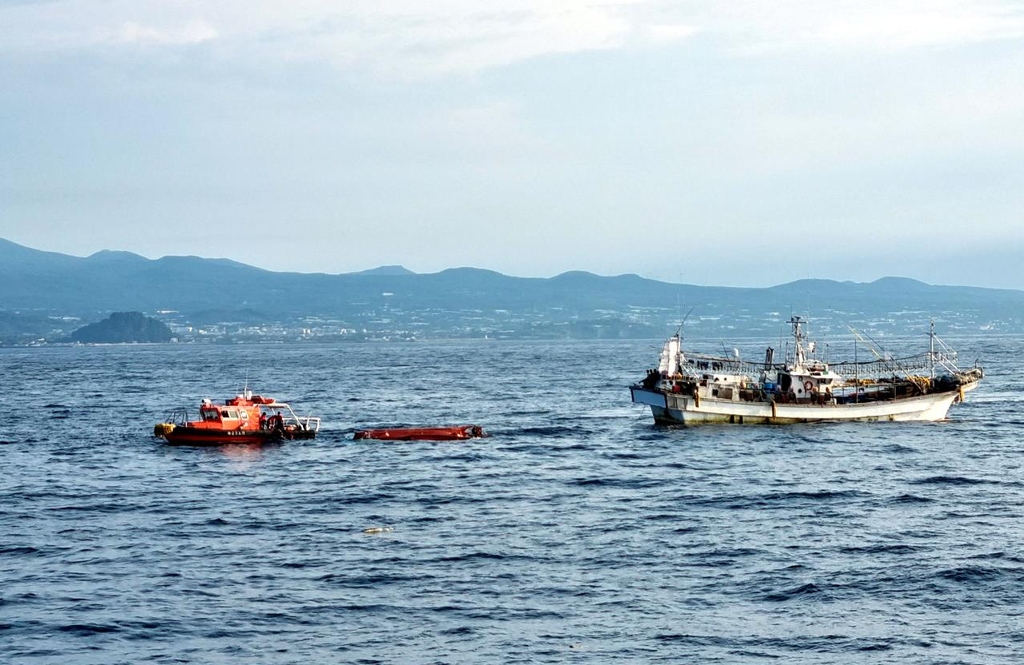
point(702, 143)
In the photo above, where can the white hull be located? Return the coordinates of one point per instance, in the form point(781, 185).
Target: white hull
point(671, 408)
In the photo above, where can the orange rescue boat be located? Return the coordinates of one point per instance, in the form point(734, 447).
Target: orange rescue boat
point(245, 418)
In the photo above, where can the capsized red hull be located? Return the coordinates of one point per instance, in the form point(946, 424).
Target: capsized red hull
point(457, 433)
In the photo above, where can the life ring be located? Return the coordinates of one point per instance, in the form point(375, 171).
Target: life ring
point(808, 385)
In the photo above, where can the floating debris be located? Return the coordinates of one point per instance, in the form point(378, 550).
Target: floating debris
point(379, 529)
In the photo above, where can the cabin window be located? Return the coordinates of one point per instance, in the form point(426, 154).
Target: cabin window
point(224, 413)
point(209, 414)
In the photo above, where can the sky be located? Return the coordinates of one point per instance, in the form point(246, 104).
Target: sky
point(720, 142)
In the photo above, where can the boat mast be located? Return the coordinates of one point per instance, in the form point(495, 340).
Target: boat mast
point(931, 348)
point(798, 339)
point(856, 373)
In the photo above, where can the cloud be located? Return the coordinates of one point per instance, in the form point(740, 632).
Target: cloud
point(408, 38)
point(921, 27)
point(450, 38)
point(865, 24)
point(661, 34)
point(194, 32)
point(395, 37)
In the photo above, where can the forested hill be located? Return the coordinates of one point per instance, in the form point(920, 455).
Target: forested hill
point(123, 328)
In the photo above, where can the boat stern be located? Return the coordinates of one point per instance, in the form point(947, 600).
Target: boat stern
point(162, 430)
point(642, 395)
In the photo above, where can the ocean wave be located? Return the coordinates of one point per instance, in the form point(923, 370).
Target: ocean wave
point(578, 533)
point(952, 480)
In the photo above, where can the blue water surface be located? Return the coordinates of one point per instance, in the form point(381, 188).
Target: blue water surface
point(577, 532)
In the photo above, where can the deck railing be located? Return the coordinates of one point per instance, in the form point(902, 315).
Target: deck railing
point(698, 364)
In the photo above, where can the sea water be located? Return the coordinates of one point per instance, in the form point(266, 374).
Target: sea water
point(577, 532)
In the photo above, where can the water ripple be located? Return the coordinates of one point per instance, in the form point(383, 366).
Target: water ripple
point(578, 532)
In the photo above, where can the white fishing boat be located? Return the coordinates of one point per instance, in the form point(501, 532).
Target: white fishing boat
point(689, 388)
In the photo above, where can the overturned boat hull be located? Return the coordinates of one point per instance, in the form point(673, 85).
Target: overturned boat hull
point(457, 433)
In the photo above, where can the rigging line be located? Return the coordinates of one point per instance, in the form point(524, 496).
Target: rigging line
point(865, 341)
point(890, 363)
point(683, 322)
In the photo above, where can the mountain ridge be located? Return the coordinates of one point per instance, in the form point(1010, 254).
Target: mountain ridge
point(10, 251)
point(459, 301)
